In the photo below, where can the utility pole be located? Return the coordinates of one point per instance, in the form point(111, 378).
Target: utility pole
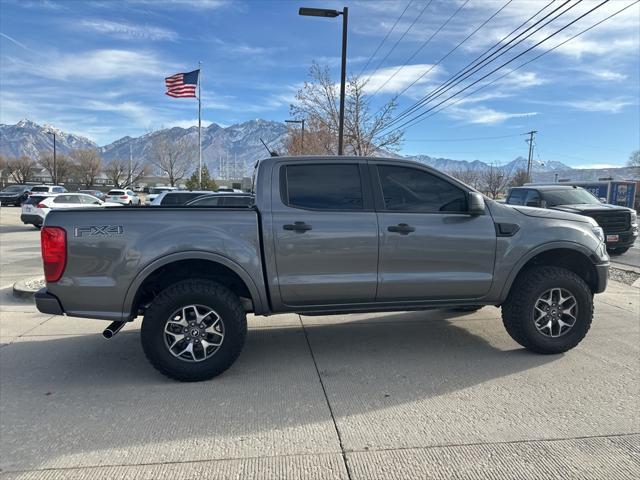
point(54, 174)
point(530, 142)
point(130, 166)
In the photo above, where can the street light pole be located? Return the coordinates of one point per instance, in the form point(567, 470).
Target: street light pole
point(322, 12)
point(343, 76)
point(54, 175)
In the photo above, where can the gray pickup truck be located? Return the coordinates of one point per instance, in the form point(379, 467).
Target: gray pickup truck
point(324, 235)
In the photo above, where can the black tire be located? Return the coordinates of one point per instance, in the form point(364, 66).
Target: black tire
point(200, 292)
point(38, 227)
point(467, 308)
point(518, 309)
point(130, 203)
point(617, 251)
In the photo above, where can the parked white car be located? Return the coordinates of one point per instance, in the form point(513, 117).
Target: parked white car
point(36, 208)
point(155, 191)
point(123, 197)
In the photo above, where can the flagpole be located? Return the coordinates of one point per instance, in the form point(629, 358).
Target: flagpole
point(200, 124)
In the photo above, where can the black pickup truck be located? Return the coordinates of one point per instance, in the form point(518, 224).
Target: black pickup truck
point(620, 224)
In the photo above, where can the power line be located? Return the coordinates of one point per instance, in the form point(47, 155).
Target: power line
point(424, 44)
point(444, 57)
point(399, 40)
point(385, 38)
point(470, 139)
point(503, 65)
point(527, 62)
point(466, 72)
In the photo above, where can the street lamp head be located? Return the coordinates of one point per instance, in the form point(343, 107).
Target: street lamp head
point(294, 121)
point(318, 12)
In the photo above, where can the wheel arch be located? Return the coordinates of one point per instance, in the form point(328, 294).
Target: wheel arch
point(569, 255)
point(191, 264)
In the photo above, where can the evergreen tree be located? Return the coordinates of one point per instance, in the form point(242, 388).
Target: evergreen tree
point(208, 183)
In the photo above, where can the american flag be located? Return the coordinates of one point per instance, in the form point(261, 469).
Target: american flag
point(182, 85)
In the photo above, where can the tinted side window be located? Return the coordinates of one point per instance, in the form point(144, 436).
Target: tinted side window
point(324, 187)
point(208, 202)
point(532, 199)
point(236, 201)
point(516, 197)
point(178, 198)
point(408, 189)
point(67, 199)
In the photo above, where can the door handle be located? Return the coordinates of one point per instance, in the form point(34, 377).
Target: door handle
point(401, 228)
point(299, 227)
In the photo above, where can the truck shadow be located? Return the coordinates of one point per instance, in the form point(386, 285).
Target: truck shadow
point(95, 396)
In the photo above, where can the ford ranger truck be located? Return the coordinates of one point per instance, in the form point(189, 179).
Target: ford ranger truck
point(324, 235)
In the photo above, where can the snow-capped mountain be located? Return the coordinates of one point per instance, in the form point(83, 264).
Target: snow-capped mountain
point(231, 151)
point(30, 139)
point(235, 147)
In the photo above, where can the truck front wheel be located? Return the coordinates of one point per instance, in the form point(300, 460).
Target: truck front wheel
point(194, 330)
point(549, 310)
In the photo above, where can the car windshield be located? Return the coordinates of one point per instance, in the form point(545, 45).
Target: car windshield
point(573, 196)
point(13, 188)
point(156, 191)
point(40, 189)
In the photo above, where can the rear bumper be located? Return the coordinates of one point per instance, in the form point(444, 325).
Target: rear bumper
point(602, 277)
point(48, 303)
point(31, 219)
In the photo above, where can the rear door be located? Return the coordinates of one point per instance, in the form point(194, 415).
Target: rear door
point(430, 248)
point(325, 233)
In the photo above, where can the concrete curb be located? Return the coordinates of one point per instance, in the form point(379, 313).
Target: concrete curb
point(628, 269)
point(26, 288)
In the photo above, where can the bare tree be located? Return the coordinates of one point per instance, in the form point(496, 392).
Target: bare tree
point(494, 181)
point(118, 174)
point(520, 177)
point(173, 159)
point(318, 103)
point(60, 170)
point(634, 159)
point(318, 139)
point(21, 169)
point(87, 165)
point(467, 175)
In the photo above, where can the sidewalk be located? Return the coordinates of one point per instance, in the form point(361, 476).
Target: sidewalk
point(397, 395)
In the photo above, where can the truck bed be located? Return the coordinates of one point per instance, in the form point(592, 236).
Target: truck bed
point(111, 250)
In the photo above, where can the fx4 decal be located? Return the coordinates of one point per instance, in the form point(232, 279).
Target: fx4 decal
point(98, 230)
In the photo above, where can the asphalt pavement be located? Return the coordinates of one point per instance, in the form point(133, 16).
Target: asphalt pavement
point(402, 395)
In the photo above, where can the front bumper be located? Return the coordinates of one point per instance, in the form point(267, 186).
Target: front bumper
point(602, 277)
point(625, 239)
point(48, 303)
point(29, 219)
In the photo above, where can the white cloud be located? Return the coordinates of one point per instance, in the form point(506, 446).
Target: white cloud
point(608, 75)
point(101, 65)
point(129, 30)
point(402, 79)
point(613, 105)
point(484, 115)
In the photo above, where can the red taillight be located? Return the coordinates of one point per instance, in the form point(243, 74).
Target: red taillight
point(41, 205)
point(124, 197)
point(53, 242)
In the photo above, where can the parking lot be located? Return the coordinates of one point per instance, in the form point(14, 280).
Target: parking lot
point(434, 394)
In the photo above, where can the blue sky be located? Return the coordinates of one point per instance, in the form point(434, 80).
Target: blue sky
point(97, 69)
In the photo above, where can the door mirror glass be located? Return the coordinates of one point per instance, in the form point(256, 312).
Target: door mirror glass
point(533, 203)
point(476, 203)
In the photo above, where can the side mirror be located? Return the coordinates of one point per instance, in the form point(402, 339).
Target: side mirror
point(602, 200)
point(476, 204)
point(534, 203)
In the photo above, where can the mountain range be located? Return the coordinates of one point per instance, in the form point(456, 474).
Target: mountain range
point(231, 151)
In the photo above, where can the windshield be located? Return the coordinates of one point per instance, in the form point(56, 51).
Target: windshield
point(574, 196)
point(116, 192)
point(13, 188)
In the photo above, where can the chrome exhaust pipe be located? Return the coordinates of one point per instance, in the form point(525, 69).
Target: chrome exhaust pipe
point(112, 329)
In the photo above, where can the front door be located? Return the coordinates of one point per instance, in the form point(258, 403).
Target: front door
point(326, 234)
point(430, 248)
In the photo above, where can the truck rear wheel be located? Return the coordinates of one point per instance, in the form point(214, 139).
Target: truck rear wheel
point(194, 330)
point(549, 310)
